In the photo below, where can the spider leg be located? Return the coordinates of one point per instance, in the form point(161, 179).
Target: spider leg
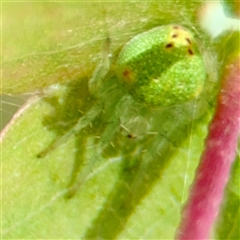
point(96, 81)
point(81, 123)
point(95, 85)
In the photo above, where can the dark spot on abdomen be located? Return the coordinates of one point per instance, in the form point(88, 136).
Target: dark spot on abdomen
point(188, 40)
point(169, 45)
point(190, 52)
point(126, 73)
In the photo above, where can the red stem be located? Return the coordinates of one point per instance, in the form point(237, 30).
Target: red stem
point(213, 172)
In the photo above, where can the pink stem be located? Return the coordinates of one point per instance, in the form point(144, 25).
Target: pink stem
point(213, 172)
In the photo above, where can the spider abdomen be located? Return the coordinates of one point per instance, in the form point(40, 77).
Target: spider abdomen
point(162, 67)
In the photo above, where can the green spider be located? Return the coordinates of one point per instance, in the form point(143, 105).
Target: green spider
point(128, 106)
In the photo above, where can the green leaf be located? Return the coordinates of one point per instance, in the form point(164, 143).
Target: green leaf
point(103, 181)
point(229, 220)
point(126, 190)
